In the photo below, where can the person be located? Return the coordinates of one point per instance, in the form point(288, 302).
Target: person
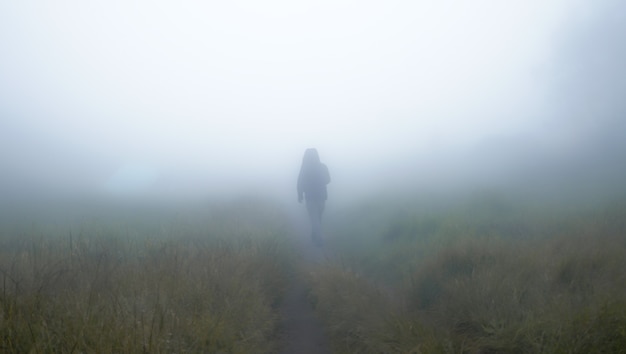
point(312, 182)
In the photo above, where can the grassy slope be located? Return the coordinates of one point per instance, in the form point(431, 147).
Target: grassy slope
point(200, 280)
point(485, 276)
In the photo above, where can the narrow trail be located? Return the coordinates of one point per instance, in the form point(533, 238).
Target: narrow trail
point(303, 333)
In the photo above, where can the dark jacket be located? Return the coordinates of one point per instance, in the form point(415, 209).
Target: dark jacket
point(313, 178)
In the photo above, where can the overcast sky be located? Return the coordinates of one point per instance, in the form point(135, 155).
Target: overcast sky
point(108, 95)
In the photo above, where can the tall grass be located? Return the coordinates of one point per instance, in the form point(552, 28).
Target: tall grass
point(480, 277)
point(485, 276)
point(203, 280)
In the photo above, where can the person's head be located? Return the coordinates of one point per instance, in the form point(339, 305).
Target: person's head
point(311, 157)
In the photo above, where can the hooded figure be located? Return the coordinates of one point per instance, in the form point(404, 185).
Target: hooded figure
point(312, 182)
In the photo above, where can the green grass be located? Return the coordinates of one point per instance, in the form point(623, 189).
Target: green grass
point(200, 280)
point(477, 277)
point(485, 275)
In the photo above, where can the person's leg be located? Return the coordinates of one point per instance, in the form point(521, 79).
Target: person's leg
point(315, 209)
point(320, 210)
point(312, 211)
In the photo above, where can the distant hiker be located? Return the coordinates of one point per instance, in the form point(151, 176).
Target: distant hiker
point(312, 182)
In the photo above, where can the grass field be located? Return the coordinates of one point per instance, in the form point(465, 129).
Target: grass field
point(480, 275)
point(203, 279)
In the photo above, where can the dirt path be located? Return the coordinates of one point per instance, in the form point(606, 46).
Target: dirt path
point(303, 332)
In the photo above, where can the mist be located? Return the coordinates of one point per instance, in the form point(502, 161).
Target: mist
point(466, 193)
point(191, 100)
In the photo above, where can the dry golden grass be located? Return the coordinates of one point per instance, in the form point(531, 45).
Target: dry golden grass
point(461, 281)
point(193, 284)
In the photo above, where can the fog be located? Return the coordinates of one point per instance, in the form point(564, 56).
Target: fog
point(189, 99)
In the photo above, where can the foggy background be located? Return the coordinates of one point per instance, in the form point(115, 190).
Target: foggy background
point(190, 99)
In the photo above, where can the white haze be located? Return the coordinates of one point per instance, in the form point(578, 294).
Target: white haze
point(188, 98)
